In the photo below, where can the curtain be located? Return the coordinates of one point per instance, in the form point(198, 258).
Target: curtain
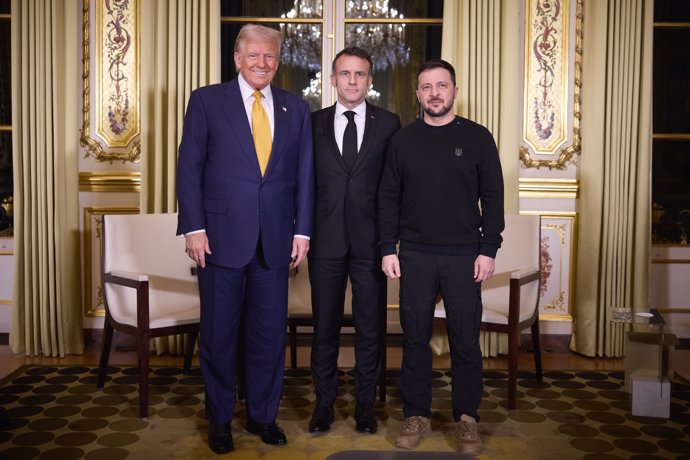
point(615, 192)
point(182, 54)
point(47, 315)
point(481, 38)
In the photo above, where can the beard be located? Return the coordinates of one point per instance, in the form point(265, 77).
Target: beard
point(437, 113)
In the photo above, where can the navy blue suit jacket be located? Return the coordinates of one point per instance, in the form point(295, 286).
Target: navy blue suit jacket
point(219, 183)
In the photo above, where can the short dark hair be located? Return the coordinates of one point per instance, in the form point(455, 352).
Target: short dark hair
point(355, 51)
point(435, 64)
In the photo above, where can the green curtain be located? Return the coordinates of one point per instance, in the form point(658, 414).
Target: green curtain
point(182, 53)
point(47, 315)
point(613, 255)
point(481, 38)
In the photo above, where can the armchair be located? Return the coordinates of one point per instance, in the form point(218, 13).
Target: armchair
point(149, 288)
point(300, 315)
point(510, 298)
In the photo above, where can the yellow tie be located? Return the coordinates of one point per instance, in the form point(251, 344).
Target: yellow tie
point(262, 132)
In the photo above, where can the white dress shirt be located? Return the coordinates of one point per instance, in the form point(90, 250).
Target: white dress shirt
point(247, 93)
point(340, 122)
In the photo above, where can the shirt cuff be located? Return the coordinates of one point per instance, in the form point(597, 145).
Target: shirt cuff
point(203, 230)
point(304, 237)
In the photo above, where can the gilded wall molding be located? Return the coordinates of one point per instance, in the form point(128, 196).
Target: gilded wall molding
point(114, 105)
point(547, 89)
point(558, 259)
point(93, 222)
point(548, 188)
point(100, 181)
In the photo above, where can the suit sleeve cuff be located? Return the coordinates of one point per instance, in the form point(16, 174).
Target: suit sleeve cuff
point(387, 249)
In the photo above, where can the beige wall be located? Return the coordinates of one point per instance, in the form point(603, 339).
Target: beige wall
point(106, 186)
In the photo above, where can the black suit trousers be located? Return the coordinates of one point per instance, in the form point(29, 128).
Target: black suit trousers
point(328, 278)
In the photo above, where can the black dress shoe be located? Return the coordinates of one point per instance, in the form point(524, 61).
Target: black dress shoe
point(270, 433)
point(220, 438)
point(321, 419)
point(365, 419)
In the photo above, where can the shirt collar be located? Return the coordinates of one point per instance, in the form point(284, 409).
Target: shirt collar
point(247, 91)
point(360, 110)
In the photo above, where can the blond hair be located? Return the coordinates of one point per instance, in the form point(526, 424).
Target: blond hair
point(256, 32)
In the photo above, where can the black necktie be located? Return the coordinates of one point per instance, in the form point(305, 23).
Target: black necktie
point(350, 140)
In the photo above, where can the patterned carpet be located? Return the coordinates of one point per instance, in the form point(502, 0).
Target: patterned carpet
point(58, 413)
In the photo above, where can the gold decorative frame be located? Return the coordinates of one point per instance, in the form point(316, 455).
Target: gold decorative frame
point(6, 252)
point(555, 302)
point(98, 181)
point(93, 221)
point(115, 132)
point(548, 188)
point(551, 64)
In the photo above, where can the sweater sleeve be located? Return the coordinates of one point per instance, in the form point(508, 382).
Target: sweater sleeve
point(390, 190)
point(490, 197)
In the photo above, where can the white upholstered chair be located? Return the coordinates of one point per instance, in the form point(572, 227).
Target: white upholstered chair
point(149, 288)
point(510, 298)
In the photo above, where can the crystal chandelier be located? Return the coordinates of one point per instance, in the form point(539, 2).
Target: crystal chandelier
point(385, 42)
point(302, 42)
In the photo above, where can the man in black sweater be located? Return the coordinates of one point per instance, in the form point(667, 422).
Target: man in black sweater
point(441, 198)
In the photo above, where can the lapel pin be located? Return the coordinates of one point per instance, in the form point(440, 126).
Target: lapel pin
point(284, 109)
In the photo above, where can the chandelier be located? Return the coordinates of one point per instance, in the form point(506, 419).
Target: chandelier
point(385, 42)
point(302, 42)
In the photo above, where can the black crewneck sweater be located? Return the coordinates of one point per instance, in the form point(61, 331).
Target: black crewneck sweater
point(433, 184)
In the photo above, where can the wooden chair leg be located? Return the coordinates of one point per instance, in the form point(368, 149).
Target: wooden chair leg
point(143, 352)
point(105, 352)
point(512, 368)
point(536, 347)
point(189, 352)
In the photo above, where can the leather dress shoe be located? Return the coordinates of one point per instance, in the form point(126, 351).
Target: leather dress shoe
point(220, 438)
point(365, 419)
point(270, 433)
point(321, 419)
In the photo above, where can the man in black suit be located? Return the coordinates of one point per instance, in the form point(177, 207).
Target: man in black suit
point(350, 143)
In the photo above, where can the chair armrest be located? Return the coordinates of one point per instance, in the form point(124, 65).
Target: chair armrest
point(130, 275)
point(137, 281)
point(523, 273)
point(127, 279)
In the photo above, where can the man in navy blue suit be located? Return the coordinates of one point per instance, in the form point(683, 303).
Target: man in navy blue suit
point(245, 216)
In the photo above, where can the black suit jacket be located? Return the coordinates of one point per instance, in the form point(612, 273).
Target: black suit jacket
point(345, 207)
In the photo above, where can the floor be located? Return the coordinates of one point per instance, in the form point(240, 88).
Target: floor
point(554, 357)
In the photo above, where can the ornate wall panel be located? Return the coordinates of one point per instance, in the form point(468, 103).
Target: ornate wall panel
point(111, 97)
point(558, 240)
point(93, 221)
point(551, 96)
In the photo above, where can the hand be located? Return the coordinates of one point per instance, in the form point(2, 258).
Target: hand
point(391, 266)
point(484, 267)
point(196, 247)
point(300, 247)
